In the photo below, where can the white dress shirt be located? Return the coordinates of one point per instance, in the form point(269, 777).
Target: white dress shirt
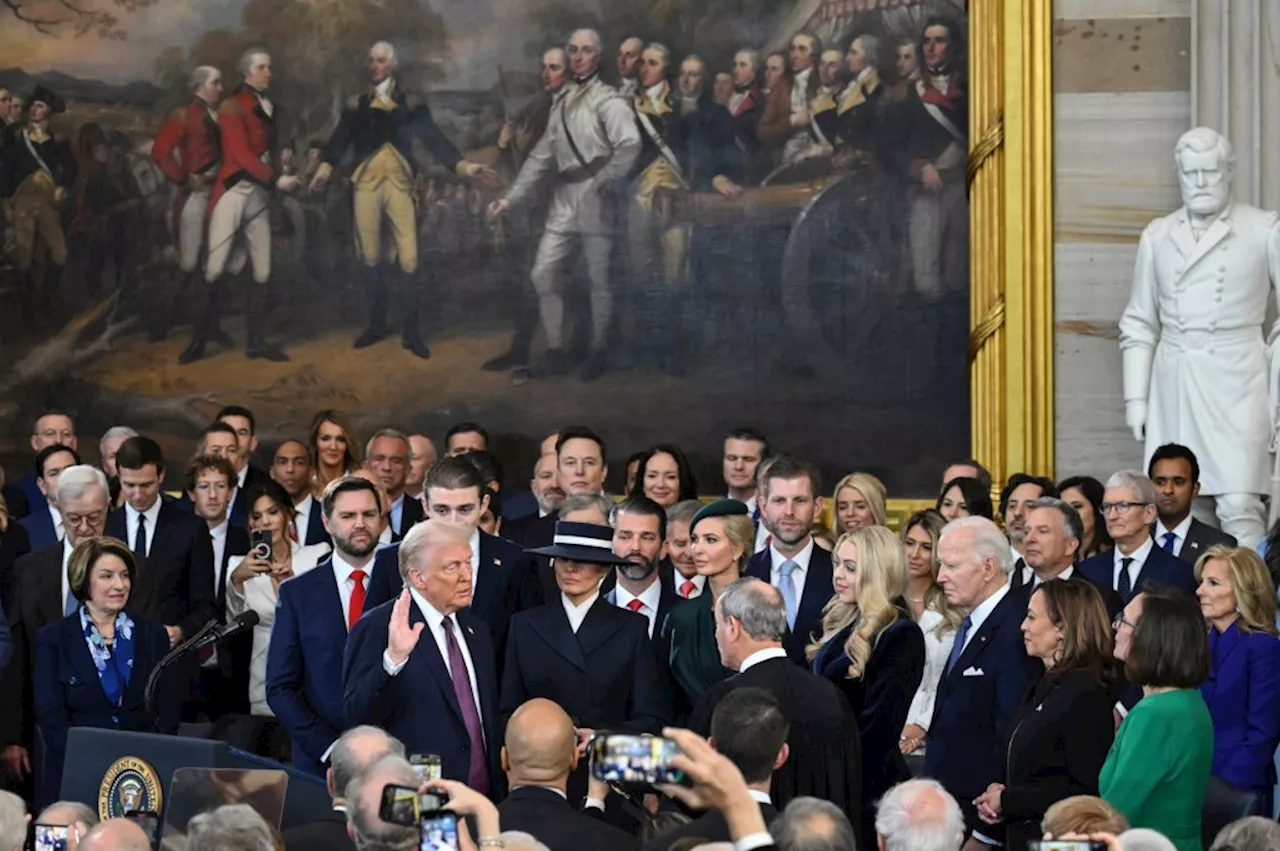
point(59, 530)
point(1179, 534)
point(1036, 581)
point(218, 535)
point(395, 517)
point(474, 543)
point(435, 626)
point(981, 612)
point(761, 656)
point(1027, 573)
point(577, 614)
point(798, 575)
point(699, 585)
point(66, 583)
point(1139, 557)
point(763, 537)
point(648, 598)
point(384, 540)
point(131, 524)
point(302, 518)
point(800, 90)
point(654, 94)
point(342, 575)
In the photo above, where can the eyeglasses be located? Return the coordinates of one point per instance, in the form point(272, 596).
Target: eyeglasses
point(54, 434)
point(1120, 621)
point(75, 521)
point(1122, 507)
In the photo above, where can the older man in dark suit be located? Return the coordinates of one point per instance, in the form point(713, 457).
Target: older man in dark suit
point(422, 665)
point(988, 670)
point(1174, 470)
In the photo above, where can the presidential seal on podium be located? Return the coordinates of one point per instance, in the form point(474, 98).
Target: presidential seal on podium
point(130, 785)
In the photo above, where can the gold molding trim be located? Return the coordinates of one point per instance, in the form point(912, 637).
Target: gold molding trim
point(1011, 236)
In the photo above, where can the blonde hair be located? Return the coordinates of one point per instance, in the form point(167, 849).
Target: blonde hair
point(872, 490)
point(1083, 814)
point(935, 598)
point(4, 515)
point(740, 531)
point(1250, 583)
point(882, 579)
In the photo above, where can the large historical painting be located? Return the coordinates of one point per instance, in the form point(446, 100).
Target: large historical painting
point(663, 218)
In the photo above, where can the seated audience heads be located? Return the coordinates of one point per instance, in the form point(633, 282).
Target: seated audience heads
point(356, 750)
point(1083, 814)
point(13, 822)
point(582, 460)
point(70, 814)
point(1132, 498)
point(1252, 833)
point(545, 484)
point(464, 438)
point(230, 827)
point(50, 463)
point(364, 797)
point(859, 501)
point(1051, 542)
point(209, 482)
point(811, 824)
point(586, 508)
point(454, 491)
point(1145, 839)
point(968, 469)
point(919, 815)
point(116, 834)
point(386, 455)
point(964, 497)
point(749, 728)
point(541, 745)
point(219, 439)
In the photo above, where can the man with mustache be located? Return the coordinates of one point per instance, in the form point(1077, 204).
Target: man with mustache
point(313, 615)
point(640, 536)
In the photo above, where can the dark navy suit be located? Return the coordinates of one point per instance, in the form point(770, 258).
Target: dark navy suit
point(304, 664)
point(1243, 696)
point(68, 692)
point(39, 526)
point(315, 533)
point(1160, 567)
point(27, 485)
point(418, 706)
point(817, 592)
point(505, 583)
point(976, 701)
point(667, 599)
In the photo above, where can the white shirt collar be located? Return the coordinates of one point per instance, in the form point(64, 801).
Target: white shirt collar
point(984, 609)
point(578, 614)
point(649, 596)
point(802, 78)
point(760, 797)
point(1180, 531)
point(761, 656)
point(433, 617)
point(653, 93)
point(343, 568)
point(219, 532)
point(56, 516)
point(1139, 555)
point(383, 89)
point(242, 476)
point(801, 558)
point(1066, 574)
point(699, 582)
point(559, 792)
point(131, 516)
point(864, 73)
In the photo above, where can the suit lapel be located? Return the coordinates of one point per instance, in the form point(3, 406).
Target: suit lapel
point(601, 623)
point(1217, 232)
point(427, 655)
point(484, 665)
point(978, 642)
point(553, 626)
point(491, 571)
point(82, 661)
point(315, 524)
point(327, 596)
point(817, 588)
point(48, 579)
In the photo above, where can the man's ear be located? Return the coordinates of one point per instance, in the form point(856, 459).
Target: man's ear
point(328, 782)
point(784, 753)
point(505, 759)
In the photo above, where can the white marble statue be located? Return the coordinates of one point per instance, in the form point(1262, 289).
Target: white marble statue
point(1197, 369)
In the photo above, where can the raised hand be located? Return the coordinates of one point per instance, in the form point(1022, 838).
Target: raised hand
point(401, 637)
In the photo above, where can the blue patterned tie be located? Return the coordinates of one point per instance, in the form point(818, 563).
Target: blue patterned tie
point(958, 647)
point(788, 589)
point(1167, 543)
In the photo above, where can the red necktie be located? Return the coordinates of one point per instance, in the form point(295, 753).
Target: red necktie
point(357, 599)
point(293, 532)
point(687, 588)
point(635, 605)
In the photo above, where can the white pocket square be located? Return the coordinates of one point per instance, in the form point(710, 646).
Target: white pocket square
point(974, 672)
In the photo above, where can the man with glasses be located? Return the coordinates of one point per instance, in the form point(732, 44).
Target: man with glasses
point(43, 595)
point(51, 427)
point(1129, 509)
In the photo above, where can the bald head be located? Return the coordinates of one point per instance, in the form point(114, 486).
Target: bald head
point(540, 745)
point(117, 834)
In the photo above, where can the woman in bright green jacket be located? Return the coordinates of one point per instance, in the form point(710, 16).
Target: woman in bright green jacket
point(1158, 767)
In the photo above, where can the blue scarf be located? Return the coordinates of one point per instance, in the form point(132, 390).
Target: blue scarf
point(114, 663)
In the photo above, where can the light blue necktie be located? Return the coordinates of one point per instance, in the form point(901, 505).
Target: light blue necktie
point(72, 604)
point(958, 647)
point(788, 589)
point(1167, 544)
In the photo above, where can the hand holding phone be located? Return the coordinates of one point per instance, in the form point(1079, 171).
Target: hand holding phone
point(51, 837)
point(438, 831)
point(404, 805)
point(634, 759)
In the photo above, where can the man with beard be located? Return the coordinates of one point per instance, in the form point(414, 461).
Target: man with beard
point(640, 537)
point(629, 66)
point(786, 120)
point(291, 468)
point(793, 563)
point(313, 615)
point(1015, 501)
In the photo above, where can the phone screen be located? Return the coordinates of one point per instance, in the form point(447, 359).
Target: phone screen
point(427, 766)
point(438, 831)
point(1066, 845)
point(50, 837)
point(635, 759)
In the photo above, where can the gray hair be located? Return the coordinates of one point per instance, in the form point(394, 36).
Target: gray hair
point(564, 58)
point(870, 46)
point(369, 831)
point(124, 431)
point(753, 56)
point(1203, 140)
point(919, 815)
point(583, 501)
point(518, 840)
point(661, 50)
point(231, 827)
point(13, 821)
point(758, 606)
point(595, 37)
point(1251, 833)
point(1072, 525)
point(812, 824)
point(346, 763)
point(245, 63)
point(392, 433)
point(634, 39)
point(1136, 480)
point(200, 75)
point(79, 813)
point(78, 478)
point(683, 511)
point(1145, 839)
point(423, 539)
point(390, 50)
point(987, 541)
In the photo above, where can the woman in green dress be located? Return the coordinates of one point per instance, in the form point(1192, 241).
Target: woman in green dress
point(1158, 767)
point(721, 535)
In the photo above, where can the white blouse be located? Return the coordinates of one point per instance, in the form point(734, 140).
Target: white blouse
point(936, 651)
point(259, 595)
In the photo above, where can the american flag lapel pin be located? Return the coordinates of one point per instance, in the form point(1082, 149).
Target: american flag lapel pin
point(497, 562)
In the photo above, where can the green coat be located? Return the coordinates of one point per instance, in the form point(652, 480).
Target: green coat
point(690, 657)
point(1158, 767)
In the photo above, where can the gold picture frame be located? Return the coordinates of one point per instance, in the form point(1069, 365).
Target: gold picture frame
point(1010, 176)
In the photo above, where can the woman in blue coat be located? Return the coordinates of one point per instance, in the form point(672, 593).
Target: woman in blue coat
point(1243, 688)
point(91, 667)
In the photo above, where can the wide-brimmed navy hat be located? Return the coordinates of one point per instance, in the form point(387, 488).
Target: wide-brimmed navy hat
point(582, 542)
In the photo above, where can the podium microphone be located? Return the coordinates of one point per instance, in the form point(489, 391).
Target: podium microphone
point(244, 621)
point(210, 633)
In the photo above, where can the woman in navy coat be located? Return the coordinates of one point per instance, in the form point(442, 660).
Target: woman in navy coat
point(1243, 689)
point(874, 653)
point(91, 667)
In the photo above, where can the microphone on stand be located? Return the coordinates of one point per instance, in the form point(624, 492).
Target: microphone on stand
point(242, 622)
point(210, 633)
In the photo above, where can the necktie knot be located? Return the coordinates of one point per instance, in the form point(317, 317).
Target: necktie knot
point(1168, 541)
point(358, 575)
point(958, 647)
point(635, 605)
point(687, 588)
point(787, 568)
